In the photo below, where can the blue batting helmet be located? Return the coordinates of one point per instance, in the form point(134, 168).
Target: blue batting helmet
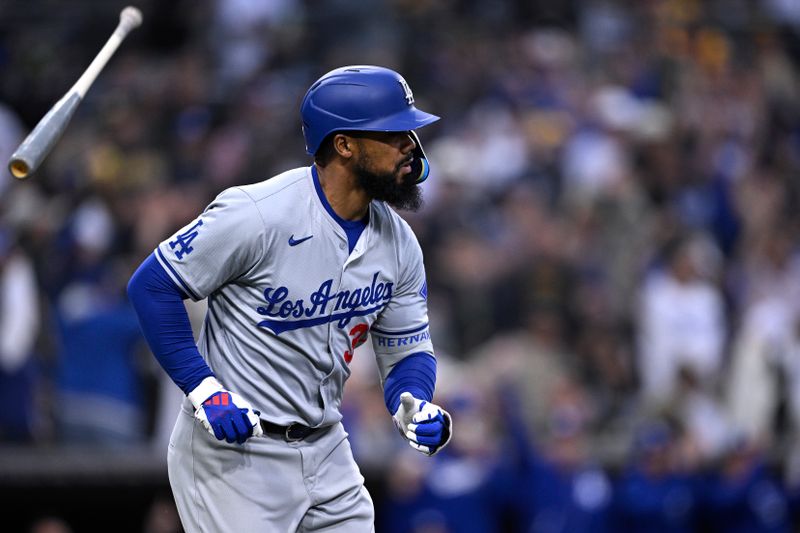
point(359, 98)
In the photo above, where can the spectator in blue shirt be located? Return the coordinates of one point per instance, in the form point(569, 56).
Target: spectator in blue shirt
point(654, 494)
point(743, 496)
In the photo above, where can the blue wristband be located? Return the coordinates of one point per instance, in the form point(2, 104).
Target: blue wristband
point(415, 374)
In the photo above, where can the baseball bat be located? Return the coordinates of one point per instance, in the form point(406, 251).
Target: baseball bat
point(30, 154)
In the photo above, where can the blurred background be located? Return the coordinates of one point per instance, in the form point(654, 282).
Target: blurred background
point(611, 238)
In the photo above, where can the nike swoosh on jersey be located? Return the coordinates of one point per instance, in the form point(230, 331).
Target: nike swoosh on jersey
point(293, 242)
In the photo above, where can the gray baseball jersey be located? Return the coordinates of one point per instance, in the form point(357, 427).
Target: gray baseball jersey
point(288, 303)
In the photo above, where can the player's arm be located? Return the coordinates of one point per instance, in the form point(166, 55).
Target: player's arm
point(158, 302)
point(402, 344)
point(165, 323)
point(192, 263)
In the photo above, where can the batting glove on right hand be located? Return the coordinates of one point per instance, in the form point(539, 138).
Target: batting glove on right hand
point(425, 425)
point(223, 413)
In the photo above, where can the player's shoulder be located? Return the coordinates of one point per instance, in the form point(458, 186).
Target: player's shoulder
point(291, 182)
point(271, 200)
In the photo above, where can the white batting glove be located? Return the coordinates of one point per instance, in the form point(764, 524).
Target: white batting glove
point(425, 425)
point(223, 413)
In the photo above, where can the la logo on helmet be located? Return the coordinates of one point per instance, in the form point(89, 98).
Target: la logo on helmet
point(407, 91)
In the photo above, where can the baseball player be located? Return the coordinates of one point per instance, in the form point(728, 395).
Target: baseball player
point(299, 270)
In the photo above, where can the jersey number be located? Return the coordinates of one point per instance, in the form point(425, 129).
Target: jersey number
point(359, 334)
point(184, 241)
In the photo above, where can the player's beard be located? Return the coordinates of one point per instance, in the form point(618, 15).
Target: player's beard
point(383, 186)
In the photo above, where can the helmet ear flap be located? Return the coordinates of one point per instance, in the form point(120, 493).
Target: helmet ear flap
point(420, 166)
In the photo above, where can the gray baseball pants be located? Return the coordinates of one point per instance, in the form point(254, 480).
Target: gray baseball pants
point(267, 484)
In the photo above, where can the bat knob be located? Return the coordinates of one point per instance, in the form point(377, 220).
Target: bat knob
point(130, 18)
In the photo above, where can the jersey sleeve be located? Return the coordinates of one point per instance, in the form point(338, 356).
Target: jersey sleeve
point(220, 245)
point(402, 327)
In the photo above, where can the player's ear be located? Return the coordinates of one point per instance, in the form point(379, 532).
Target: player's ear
point(343, 145)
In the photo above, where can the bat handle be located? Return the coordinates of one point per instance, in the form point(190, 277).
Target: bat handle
point(129, 18)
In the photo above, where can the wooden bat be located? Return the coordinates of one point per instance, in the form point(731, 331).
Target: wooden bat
point(30, 154)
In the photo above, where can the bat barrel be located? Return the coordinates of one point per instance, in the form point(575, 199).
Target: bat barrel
point(44, 136)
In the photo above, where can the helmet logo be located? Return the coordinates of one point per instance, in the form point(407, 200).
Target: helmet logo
point(407, 91)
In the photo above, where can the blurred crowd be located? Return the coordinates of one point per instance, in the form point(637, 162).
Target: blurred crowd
point(610, 232)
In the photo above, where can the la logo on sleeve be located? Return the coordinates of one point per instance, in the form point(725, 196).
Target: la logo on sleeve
point(183, 241)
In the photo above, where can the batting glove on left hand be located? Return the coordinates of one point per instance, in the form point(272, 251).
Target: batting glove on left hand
point(425, 425)
point(223, 413)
